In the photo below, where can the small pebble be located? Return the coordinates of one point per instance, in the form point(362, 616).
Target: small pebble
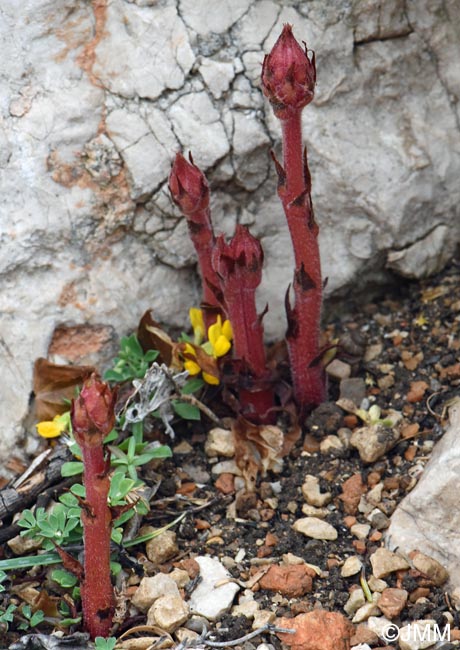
point(332, 445)
point(368, 609)
point(220, 442)
point(338, 369)
point(361, 531)
point(315, 528)
point(312, 492)
point(429, 567)
point(168, 612)
point(151, 588)
point(355, 600)
point(161, 548)
point(351, 566)
point(385, 562)
point(392, 602)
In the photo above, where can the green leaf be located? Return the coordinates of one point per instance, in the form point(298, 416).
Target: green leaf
point(126, 516)
point(162, 451)
point(151, 355)
point(30, 561)
point(117, 535)
point(131, 449)
point(37, 618)
point(114, 375)
point(193, 385)
point(155, 533)
point(68, 499)
point(185, 410)
point(67, 622)
point(131, 346)
point(115, 568)
point(138, 431)
point(79, 490)
point(28, 519)
point(110, 437)
point(71, 468)
point(104, 644)
point(64, 578)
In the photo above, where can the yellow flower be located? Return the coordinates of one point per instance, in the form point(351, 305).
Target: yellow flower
point(220, 336)
point(196, 319)
point(204, 355)
point(210, 379)
point(53, 428)
point(191, 366)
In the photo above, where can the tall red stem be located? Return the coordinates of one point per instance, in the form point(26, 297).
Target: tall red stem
point(93, 417)
point(239, 267)
point(97, 592)
point(190, 191)
point(288, 80)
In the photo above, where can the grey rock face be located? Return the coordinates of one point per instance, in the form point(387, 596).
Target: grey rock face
point(428, 519)
point(96, 98)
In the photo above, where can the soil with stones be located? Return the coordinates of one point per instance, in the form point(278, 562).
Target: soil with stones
point(404, 349)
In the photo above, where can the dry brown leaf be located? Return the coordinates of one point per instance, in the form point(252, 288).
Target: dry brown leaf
point(151, 336)
point(53, 384)
point(146, 642)
point(258, 448)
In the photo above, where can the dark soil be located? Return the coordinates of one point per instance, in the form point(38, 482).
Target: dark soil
point(417, 329)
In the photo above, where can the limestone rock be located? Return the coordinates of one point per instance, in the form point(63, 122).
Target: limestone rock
point(332, 445)
point(214, 595)
point(367, 610)
point(361, 531)
point(418, 635)
point(427, 520)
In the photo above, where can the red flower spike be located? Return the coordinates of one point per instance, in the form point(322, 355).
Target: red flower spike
point(93, 417)
point(288, 75)
point(239, 267)
point(190, 191)
point(288, 80)
point(242, 258)
point(188, 186)
point(92, 411)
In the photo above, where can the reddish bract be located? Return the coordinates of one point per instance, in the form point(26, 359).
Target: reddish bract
point(288, 75)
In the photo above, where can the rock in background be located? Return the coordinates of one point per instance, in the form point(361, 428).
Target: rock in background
point(97, 96)
point(428, 519)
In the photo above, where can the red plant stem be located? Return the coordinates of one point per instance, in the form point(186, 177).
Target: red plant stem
point(202, 236)
point(248, 345)
point(97, 591)
point(190, 191)
point(292, 155)
point(304, 320)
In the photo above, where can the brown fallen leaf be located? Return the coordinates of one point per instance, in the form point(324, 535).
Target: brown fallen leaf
point(258, 448)
point(53, 384)
point(151, 336)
